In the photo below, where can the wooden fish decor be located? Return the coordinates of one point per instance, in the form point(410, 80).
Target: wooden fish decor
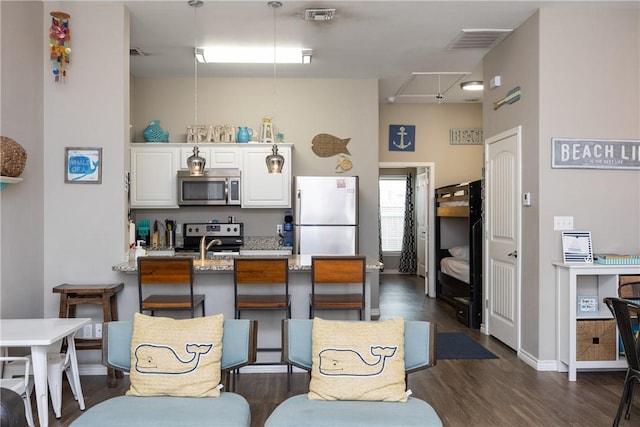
point(325, 145)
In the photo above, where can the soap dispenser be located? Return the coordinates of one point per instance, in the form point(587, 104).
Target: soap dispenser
point(140, 250)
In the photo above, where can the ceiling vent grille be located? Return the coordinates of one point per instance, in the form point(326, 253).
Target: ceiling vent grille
point(135, 51)
point(478, 39)
point(319, 14)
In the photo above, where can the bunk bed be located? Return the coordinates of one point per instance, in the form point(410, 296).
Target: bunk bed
point(458, 245)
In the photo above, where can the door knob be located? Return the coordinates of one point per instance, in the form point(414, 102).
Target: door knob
point(514, 254)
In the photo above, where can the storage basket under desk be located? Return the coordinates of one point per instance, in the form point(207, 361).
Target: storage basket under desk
point(596, 339)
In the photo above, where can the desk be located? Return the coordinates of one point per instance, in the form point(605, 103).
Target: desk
point(573, 280)
point(39, 334)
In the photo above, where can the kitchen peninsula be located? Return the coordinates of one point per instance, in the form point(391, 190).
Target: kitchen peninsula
point(214, 279)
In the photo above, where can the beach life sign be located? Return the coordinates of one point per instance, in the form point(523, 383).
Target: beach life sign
point(595, 153)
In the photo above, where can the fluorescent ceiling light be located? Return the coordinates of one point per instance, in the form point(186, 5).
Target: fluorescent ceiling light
point(473, 85)
point(253, 55)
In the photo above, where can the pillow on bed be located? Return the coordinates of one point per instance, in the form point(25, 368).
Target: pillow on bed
point(358, 361)
point(176, 357)
point(461, 252)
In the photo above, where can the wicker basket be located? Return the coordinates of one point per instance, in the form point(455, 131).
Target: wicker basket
point(14, 157)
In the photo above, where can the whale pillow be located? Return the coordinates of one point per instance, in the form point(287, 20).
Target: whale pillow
point(358, 361)
point(176, 357)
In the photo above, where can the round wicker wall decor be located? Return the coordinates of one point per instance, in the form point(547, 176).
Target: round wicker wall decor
point(13, 156)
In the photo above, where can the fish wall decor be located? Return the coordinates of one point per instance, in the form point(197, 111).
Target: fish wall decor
point(325, 145)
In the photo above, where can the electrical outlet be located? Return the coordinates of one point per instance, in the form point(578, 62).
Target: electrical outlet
point(98, 330)
point(87, 331)
point(562, 223)
point(279, 229)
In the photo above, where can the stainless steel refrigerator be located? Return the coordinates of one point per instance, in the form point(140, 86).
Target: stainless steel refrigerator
point(326, 215)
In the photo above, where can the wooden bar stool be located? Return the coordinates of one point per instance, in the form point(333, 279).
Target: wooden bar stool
point(329, 271)
point(262, 284)
point(105, 295)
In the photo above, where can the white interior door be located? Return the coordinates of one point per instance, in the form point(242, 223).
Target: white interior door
point(502, 266)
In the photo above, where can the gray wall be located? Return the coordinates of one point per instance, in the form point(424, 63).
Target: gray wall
point(21, 205)
point(305, 108)
point(578, 69)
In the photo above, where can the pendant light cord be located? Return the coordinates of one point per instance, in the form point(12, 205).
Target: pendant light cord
point(195, 67)
point(274, 5)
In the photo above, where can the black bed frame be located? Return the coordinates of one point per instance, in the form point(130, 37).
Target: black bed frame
point(465, 297)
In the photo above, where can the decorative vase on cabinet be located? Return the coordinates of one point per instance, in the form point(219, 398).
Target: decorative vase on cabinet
point(244, 134)
point(154, 133)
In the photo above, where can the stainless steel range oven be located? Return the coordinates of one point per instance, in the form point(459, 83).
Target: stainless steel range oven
point(231, 235)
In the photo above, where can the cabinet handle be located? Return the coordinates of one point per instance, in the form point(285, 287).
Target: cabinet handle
point(514, 254)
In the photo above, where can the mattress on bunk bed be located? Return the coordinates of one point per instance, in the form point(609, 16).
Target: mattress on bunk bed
point(457, 265)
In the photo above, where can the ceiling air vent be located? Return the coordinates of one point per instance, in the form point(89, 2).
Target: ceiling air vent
point(478, 39)
point(135, 51)
point(319, 14)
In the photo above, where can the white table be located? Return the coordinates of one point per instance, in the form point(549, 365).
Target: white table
point(39, 334)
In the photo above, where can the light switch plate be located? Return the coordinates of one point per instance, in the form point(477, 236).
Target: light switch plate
point(98, 329)
point(562, 223)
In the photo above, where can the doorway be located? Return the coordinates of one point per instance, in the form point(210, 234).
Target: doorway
point(424, 231)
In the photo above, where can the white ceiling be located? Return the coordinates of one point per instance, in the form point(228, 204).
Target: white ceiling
point(385, 40)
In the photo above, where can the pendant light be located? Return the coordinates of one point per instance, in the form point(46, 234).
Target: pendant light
point(195, 162)
point(274, 161)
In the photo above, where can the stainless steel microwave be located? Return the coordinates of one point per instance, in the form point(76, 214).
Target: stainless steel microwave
point(215, 187)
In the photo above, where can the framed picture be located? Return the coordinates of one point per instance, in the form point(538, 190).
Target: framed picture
point(587, 305)
point(82, 165)
point(402, 137)
point(576, 247)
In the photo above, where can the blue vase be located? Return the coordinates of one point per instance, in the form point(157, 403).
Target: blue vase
point(244, 134)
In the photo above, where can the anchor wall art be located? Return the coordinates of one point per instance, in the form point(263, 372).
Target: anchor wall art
point(402, 138)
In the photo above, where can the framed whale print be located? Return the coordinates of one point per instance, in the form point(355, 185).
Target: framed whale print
point(82, 165)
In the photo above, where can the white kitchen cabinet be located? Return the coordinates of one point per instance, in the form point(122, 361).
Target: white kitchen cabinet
point(153, 176)
point(223, 156)
point(260, 189)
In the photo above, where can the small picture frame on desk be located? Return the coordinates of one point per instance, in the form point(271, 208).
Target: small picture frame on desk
point(587, 305)
point(576, 247)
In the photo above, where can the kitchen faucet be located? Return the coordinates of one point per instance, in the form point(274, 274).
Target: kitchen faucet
point(204, 248)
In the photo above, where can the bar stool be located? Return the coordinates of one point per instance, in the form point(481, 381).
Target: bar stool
point(331, 271)
point(262, 284)
point(105, 295)
point(167, 271)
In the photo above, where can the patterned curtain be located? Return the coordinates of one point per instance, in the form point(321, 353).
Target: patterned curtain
point(379, 230)
point(409, 255)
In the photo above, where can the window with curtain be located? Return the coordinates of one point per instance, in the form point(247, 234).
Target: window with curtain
point(392, 208)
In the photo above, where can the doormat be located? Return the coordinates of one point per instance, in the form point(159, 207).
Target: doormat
point(457, 345)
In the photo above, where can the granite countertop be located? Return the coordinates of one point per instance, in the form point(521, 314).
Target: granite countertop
point(225, 263)
point(264, 243)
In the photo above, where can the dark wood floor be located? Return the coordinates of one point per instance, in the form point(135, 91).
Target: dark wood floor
point(500, 392)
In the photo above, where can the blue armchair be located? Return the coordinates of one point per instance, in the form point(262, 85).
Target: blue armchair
point(229, 410)
point(299, 411)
